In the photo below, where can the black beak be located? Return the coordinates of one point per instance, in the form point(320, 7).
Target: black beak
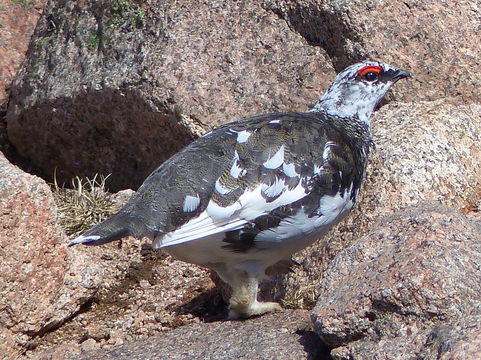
point(400, 74)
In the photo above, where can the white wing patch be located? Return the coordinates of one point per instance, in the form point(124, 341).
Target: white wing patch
point(243, 136)
point(199, 227)
point(217, 219)
point(292, 226)
point(191, 203)
point(254, 205)
point(289, 170)
point(236, 170)
point(332, 206)
point(276, 160)
point(275, 189)
point(333, 209)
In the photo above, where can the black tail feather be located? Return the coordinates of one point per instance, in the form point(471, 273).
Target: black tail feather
point(114, 228)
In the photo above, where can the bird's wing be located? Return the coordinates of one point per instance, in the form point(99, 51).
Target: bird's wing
point(253, 168)
point(223, 216)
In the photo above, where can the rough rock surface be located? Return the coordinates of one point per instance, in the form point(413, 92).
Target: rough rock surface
point(462, 341)
point(139, 292)
point(140, 81)
point(41, 284)
point(17, 23)
point(109, 295)
point(439, 41)
point(17, 19)
point(408, 289)
point(120, 87)
point(424, 151)
point(142, 293)
point(286, 335)
point(117, 87)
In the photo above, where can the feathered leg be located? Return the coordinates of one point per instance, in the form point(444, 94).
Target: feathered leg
point(243, 301)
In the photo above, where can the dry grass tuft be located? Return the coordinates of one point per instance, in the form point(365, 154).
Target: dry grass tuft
point(303, 298)
point(85, 204)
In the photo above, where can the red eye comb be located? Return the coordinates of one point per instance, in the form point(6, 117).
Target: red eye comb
point(370, 68)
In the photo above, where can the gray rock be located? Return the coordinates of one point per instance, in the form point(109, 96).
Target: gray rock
point(408, 289)
point(116, 87)
point(463, 341)
point(286, 335)
point(439, 43)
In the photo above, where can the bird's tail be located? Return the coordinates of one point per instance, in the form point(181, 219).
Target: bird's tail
point(114, 228)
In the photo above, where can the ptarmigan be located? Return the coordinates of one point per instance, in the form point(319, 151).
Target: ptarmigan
point(250, 193)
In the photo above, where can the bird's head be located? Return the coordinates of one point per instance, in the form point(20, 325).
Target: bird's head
point(357, 90)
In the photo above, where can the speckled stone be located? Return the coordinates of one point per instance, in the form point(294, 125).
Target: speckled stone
point(408, 289)
point(285, 335)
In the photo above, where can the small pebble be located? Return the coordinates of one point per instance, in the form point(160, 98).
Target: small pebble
point(89, 345)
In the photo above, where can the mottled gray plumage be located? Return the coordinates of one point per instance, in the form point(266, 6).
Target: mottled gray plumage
point(250, 193)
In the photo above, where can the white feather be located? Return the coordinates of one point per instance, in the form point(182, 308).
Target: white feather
point(276, 160)
point(289, 170)
point(275, 189)
point(84, 239)
point(326, 154)
point(200, 227)
point(190, 203)
point(215, 211)
point(236, 170)
point(243, 136)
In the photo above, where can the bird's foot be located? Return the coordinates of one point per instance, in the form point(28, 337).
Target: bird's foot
point(243, 311)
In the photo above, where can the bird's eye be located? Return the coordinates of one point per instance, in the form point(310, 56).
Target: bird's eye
point(370, 72)
point(370, 76)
